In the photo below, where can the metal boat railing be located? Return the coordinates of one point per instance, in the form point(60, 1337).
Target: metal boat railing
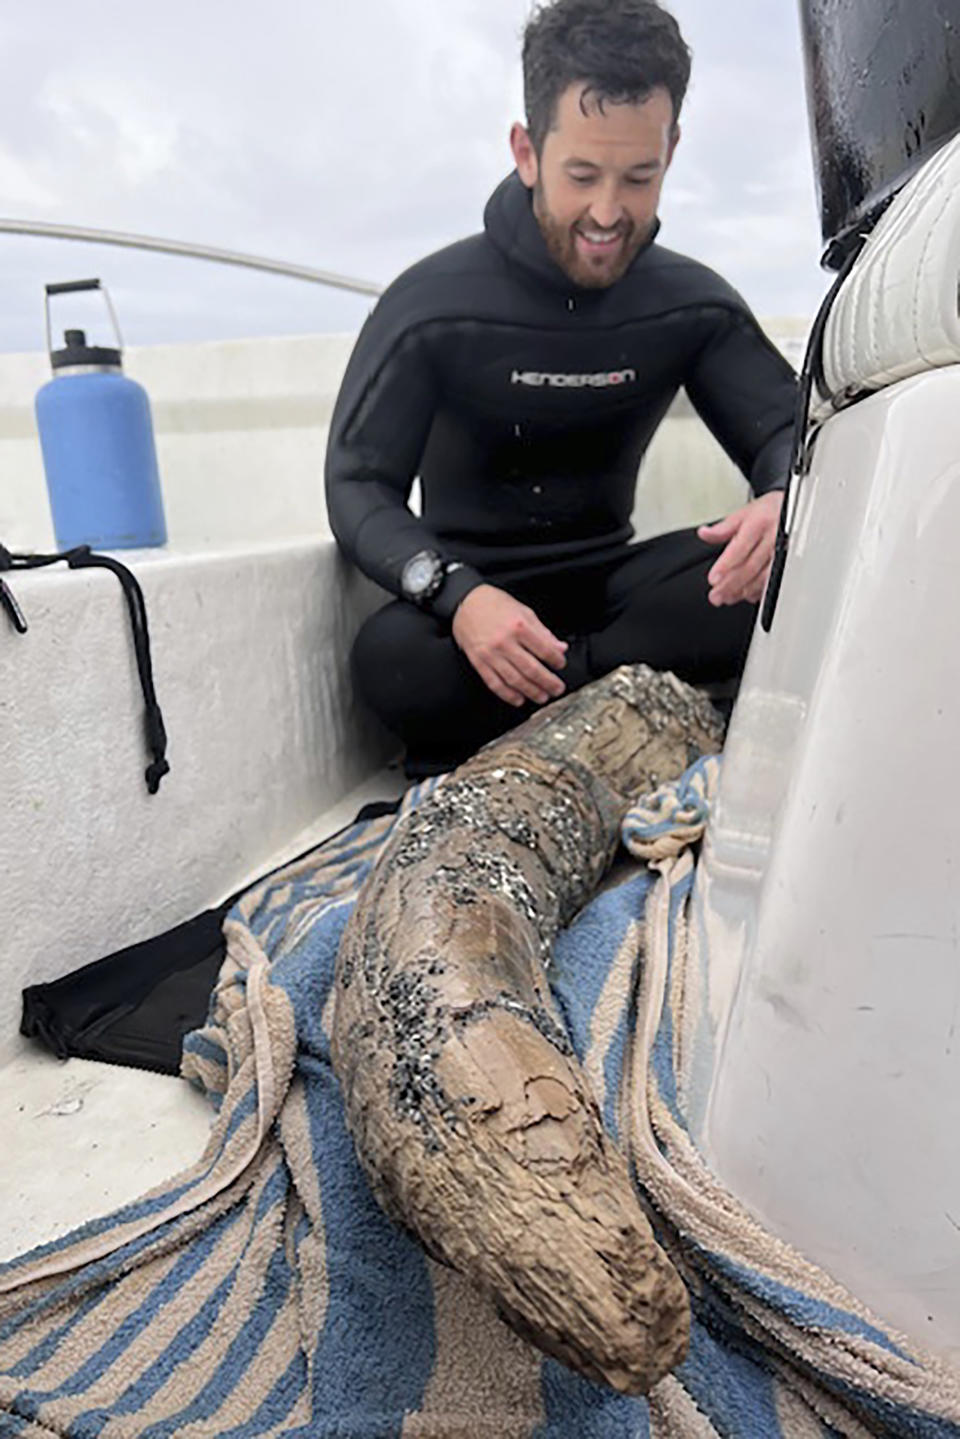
point(196, 252)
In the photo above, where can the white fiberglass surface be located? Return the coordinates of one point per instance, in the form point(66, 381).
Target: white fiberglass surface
point(250, 658)
point(826, 1089)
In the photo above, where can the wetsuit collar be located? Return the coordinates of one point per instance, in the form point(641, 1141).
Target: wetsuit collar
point(512, 226)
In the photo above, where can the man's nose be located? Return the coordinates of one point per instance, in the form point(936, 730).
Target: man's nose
point(606, 210)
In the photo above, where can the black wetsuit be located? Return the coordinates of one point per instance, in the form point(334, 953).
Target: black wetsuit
point(525, 402)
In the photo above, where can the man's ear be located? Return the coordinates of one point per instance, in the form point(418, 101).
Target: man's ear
point(674, 142)
point(524, 154)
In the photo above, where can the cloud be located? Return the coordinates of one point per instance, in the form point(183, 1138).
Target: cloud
point(741, 193)
point(19, 186)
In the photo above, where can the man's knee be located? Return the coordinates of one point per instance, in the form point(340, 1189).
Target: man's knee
point(389, 647)
point(408, 669)
point(678, 556)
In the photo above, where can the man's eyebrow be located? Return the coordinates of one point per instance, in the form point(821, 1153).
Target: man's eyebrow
point(577, 164)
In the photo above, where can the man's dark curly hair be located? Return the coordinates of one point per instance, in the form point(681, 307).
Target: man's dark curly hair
point(619, 49)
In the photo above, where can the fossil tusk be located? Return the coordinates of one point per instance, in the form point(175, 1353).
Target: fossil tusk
point(471, 1115)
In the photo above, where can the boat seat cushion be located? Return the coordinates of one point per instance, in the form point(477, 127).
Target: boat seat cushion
point(897, 314)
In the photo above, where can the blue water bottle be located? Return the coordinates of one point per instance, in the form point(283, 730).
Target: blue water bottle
point(96, 435)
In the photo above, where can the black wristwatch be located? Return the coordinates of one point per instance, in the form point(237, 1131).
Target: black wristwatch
point(423, 575)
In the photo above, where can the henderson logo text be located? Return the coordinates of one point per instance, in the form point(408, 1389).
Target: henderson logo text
point(600, 381)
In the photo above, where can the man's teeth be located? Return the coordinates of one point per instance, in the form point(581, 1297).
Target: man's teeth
point(598, 239)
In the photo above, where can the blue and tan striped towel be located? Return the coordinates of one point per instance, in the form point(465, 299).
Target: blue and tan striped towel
point(262, 1292)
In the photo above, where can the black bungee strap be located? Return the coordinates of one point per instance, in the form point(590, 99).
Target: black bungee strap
point(79, 558)
point(811, 375)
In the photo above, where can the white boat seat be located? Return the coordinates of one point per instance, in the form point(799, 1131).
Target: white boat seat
point(897, 314)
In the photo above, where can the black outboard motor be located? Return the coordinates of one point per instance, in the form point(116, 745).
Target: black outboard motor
point(883, 93)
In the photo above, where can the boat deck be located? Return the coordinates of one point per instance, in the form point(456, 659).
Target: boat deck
point(79, 1139)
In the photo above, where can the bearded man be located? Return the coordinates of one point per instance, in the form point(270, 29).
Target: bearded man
point(521, 374)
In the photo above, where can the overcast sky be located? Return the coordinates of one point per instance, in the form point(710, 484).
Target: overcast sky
point(353, 136)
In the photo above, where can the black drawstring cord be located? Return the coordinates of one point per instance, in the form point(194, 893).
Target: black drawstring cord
point(8, 601)
point(82, 557)
point(801, 449)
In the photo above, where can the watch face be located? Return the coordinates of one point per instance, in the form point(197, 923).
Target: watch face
point(420, 574)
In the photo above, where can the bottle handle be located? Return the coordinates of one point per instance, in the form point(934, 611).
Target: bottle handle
point(69, 287)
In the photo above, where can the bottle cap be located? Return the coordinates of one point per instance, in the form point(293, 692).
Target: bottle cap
point(78, 352)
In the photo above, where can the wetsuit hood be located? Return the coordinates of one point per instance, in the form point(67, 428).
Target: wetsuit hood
point(512, 226)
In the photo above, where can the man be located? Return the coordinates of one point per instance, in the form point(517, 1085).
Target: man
point(522, 373)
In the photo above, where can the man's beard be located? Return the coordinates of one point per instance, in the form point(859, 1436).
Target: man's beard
point(562, 245)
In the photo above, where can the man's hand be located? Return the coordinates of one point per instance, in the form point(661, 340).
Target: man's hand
point(511, 650)
point(748, 536)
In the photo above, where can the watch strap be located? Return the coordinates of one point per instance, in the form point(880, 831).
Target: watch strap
point(459, 579)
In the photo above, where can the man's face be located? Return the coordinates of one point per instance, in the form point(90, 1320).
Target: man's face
point(596, 185)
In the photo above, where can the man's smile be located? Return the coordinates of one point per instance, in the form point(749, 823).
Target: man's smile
point(592, 242)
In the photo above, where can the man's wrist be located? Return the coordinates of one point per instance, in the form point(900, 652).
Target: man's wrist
point(458, 582)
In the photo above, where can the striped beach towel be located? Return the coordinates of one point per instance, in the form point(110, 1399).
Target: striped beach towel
point(262, 1291)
